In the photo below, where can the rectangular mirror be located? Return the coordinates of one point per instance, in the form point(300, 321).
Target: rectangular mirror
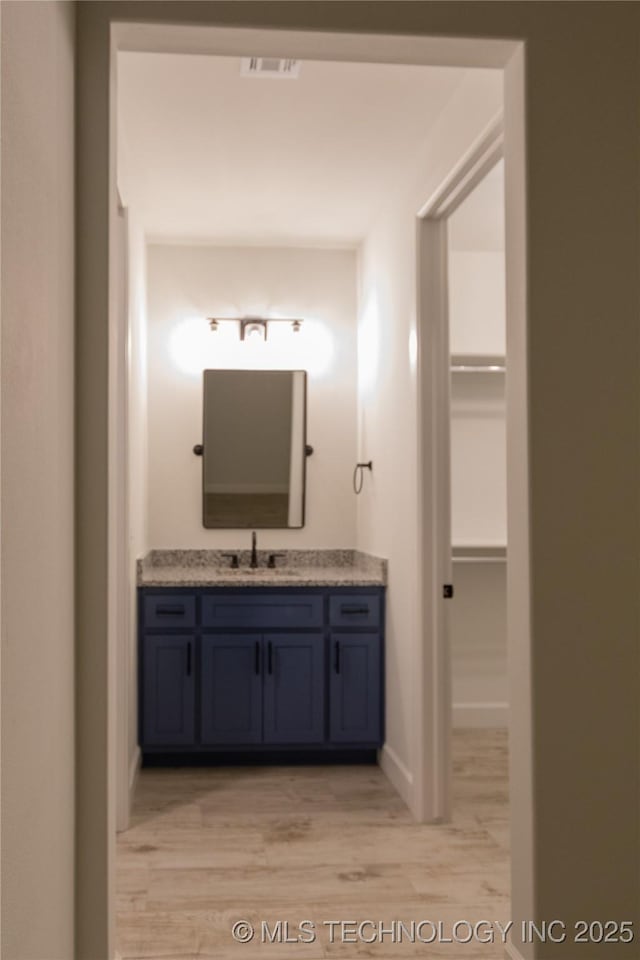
point(254, 448)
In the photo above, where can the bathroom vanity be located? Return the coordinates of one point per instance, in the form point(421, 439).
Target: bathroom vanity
point(261, 663)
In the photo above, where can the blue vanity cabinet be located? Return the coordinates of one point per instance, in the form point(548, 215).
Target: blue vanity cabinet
point(231, 689)
point(168, 714)
point(355, 688)
point(355, 693)
point(261, 671)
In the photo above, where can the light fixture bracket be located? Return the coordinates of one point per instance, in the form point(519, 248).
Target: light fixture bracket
point(252, 325)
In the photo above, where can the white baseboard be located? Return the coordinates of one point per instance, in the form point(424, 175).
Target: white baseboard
point(512, 953)
point(481, 715)
point(395, 770)
point(134, 767)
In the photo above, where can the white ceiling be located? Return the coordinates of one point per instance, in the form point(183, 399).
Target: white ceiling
point(205, 154)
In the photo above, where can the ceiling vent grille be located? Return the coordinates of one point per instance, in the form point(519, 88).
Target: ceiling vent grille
point(274, 67)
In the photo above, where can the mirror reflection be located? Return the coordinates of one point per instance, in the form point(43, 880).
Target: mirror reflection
point(254, 448)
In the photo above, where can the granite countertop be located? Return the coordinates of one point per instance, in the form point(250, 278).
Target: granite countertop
point(296, 568)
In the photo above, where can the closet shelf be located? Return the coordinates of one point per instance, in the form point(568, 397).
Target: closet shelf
point(477, 363)
point(479, 553)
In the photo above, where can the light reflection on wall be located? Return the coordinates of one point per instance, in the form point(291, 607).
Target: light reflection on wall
point(194, 347)
point(369, 345)
point(413, 349)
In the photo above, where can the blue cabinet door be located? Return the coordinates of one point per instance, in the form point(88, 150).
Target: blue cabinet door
point(231, 689)
point(294, 688)
point(355, 688)
point(168, 691)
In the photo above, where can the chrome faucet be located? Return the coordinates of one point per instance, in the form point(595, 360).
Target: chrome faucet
point(254, 553)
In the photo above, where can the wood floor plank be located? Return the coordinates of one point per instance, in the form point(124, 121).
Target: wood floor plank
point(210, 846)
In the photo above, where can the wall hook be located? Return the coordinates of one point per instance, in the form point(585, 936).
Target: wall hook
point(358, 475)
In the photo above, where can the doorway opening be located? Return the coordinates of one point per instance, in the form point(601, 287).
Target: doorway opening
point(478, 350)
point(381, 355)
point(462, 273)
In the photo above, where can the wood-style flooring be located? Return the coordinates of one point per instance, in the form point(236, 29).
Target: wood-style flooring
point(209, 847)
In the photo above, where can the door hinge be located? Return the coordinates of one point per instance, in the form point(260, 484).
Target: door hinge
point(447, 591)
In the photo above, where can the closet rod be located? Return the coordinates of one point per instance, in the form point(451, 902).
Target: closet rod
point(476, 368)
point(479, 559)
point(477, 363)
point(483, 553)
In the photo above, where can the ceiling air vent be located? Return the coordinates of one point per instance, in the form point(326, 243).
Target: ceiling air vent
point(276, 67)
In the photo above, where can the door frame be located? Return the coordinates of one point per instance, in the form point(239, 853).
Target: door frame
point(433, 695)
point(98, 558)
point(120, 560)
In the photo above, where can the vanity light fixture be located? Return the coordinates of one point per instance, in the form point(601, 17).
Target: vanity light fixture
point(253, 327)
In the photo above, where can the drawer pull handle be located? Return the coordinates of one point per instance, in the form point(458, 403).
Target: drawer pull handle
point(189, 659)
point(270, 657)
point(353, 611)
point(257, 656)
point(337, 657)
point(166, 611)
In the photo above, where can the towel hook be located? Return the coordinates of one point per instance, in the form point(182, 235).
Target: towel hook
point(358, 475)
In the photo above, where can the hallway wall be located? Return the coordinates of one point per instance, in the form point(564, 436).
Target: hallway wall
point(138, 480)
point(37, 481)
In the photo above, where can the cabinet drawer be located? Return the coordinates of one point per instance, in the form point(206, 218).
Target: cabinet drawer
point(262, 611)
point(354, 611)
point(170, 610)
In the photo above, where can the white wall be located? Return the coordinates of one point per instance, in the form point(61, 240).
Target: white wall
point(188, 283)
point(135, 370)
point(137, 507)
point(388, 505)
point(478, 460)
point(478, 638)
point(477, 276)
point(37, 484)
point(476, 261)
